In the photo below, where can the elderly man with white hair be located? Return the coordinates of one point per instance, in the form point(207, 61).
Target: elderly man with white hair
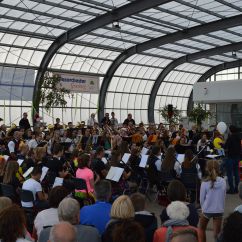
point(177, 212)
point(69, 211)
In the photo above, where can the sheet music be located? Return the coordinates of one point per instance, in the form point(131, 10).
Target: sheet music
point(212, 156)
point(125, 157)
point(27, 173)
point(44, 172)
point(58, 182)
point(180, 157)
point(144, 151)
point(20, 161)
point(143, 162)
point(104, 160)
point(115, 173)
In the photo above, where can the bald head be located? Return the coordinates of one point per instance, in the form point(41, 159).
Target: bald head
point(63, 232)
point(185, 235)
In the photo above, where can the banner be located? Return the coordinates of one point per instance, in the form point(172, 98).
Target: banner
point(79, 83)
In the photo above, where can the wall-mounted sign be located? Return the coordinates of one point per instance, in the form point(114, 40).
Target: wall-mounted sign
point(79, 83)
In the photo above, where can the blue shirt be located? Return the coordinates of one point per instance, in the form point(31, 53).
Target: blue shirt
point(96, 215)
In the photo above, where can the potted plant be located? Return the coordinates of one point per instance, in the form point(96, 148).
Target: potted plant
point(198, 115)
point(170, 116)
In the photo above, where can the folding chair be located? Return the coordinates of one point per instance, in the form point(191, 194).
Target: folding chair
point(30, 212)
point(80, 184)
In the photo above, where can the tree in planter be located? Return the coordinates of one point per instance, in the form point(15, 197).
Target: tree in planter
point(176, 115)
point(52, 94)
point(198, 115)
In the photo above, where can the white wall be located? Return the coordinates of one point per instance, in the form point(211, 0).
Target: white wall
point(214, 92)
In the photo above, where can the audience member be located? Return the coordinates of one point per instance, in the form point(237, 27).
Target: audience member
point(5, 202)
point(143, 217)
point(68, 211)
point(24, 122)
point(239, 208)
point(63, 232)
point(122, 209)
point(186, 235)
point(12, 225)
point(49, 217)
point(176, 191)
point(98, 214)
point(128, 231)
point(232, 228)
point(178, 213)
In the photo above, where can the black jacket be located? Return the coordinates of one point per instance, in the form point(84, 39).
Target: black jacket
point(233, 146)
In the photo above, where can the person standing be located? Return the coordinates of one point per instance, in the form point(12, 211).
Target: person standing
point(91, 121)
point(233, 147)
point(212, 199)
point(24, 122)
point(113, 120)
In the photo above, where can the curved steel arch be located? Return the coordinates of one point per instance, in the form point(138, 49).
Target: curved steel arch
point(212, 71)
point(170, 38)
point(105, 19)
point(180, 61)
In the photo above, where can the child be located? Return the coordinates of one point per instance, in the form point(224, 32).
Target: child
point(212, 198)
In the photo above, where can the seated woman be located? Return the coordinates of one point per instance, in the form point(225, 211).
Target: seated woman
point(176, 191)
point(170, 167)
point(177, 212)
point(12, 225)
point(85, 173)
point(122, 184)
point(190, 164)
point(10, 176)
point(121, 211)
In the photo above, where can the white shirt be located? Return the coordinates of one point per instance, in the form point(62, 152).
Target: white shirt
point(11, 146)
point(91, 121)
point(33, 186)
point(47, 217)
point(32, 144)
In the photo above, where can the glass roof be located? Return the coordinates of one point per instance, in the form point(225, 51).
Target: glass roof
point(28, 28)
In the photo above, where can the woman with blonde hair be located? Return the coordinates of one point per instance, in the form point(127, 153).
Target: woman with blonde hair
point(212, 198)
point(122, 210)
point(10, 175)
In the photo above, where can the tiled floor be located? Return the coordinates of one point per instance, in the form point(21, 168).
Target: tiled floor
point(232, 201)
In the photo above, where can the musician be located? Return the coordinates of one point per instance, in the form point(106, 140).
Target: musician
point(91, 121)
point(10, 177)
point(56, 164)
point(97, 164)
point(36, 139)
point(86, 139)
point(24, 122)
point(3, 131)
point(57, 125)
point(113, 120)
point(33, 185)
point(106, 120)
point(13, 145)
point(129, 119)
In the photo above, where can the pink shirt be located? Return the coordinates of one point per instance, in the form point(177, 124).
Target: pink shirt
point(87, 175)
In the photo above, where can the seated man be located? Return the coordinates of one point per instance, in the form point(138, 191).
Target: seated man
point(98, 214)
point(143, 217)
point(68, 211)
point(33, 185)
point(63, 232)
